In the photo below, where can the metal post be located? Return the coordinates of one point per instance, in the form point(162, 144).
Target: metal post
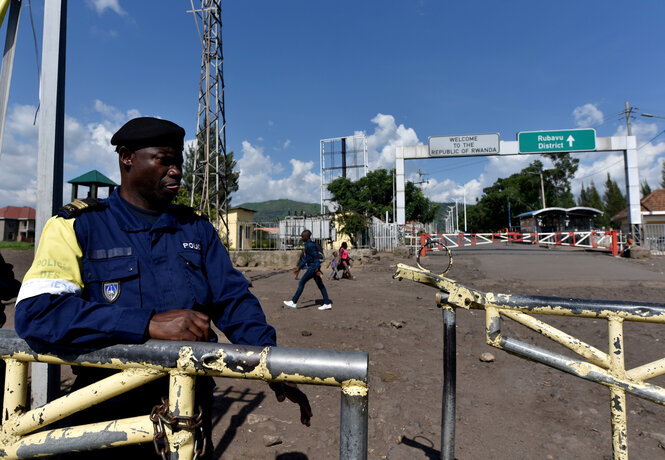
point(400, 187)
point(633, 189)
point(16, 388)
point(181, 404)
point(46, 378)
point(618, 395)
point(8, 62)
point(464, 190)
point(353, 427)
point(449, 384)
point(619, 426)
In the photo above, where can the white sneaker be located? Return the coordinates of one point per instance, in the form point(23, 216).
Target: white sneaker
point(325, 306)
point(289, 303)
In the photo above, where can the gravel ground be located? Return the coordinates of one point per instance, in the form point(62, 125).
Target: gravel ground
point(508, 408)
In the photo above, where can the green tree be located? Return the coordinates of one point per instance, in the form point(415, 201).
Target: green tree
point(645, 189)
point(372, 196)
point(613, 199)
point(583, 199)
point(523, 191)
point(228, 177)
point(558, 178)
point(590, 198)
point(662, 175)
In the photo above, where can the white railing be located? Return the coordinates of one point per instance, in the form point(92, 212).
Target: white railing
point(602, 240)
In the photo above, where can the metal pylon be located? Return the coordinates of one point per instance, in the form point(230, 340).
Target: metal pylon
point(209, 162)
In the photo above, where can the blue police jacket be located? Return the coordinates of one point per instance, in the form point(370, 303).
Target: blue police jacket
point(311, 256)
point(98, 278)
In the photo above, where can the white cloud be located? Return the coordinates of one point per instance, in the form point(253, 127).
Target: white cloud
point(257, 182)
point(86, 146)
point(18, 163)
point(588, 115)
point(261, 176)
point(102, 5)
point(286, 143)
point(387, 135)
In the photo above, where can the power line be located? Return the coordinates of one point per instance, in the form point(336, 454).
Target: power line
point(597, 172)
point(650, 140)
point(420, 179)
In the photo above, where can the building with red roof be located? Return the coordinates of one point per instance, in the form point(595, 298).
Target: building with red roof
point(652, 209)
point(17, 223)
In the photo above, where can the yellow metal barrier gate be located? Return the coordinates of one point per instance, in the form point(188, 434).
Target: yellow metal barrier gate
point(606, 368)
point(182, 362)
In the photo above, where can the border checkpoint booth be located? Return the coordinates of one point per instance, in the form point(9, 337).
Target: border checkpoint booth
point(546, 220)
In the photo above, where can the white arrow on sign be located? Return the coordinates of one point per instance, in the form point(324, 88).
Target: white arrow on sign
point(570, 140)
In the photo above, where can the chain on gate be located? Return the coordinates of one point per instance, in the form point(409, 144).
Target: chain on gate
point(161, 416)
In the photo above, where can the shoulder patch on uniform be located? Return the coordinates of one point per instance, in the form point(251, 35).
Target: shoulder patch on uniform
point(78, 207)
point(183, 210)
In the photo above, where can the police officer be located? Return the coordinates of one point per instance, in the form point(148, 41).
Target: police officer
point(134, 267)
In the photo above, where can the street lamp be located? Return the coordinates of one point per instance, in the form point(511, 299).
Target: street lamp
point(648, 115)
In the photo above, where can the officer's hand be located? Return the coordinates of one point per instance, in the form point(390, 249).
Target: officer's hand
point(187, 325)
point(285, 390)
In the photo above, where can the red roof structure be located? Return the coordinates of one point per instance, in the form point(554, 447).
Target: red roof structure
point(653, 202)
point(18, 213)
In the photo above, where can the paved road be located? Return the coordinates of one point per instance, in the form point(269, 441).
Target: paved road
point(528, 262)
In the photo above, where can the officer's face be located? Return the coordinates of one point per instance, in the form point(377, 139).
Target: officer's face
point(154, 176)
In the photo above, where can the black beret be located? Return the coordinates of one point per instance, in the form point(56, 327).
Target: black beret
point(143, 132)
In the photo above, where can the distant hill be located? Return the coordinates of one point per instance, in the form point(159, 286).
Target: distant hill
point(273, 210)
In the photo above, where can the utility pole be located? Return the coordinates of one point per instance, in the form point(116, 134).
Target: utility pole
point(542, 189)
point(628, 113)
point(420, 179)
point(457, 217)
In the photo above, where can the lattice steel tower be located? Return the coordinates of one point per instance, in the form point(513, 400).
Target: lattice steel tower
point(210, 165)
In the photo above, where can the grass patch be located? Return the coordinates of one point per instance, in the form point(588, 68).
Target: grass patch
point(16, 245)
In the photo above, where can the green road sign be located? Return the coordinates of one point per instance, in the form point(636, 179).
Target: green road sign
point(568, 140)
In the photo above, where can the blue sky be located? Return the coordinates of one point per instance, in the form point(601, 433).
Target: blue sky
point(399, 71)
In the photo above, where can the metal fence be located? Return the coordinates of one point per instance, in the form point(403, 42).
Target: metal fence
point(383, 237)
point(653, 238)
point(606, 368)
point(31, 433)
point(282, 235)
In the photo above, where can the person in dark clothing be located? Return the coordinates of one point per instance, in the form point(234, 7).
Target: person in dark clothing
point(9, 285)
point(134, 267)
point(312, 262)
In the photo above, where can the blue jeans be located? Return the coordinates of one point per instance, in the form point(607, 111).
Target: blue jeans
point(309, 274)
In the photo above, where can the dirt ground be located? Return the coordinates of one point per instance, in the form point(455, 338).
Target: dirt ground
point(506, 409)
